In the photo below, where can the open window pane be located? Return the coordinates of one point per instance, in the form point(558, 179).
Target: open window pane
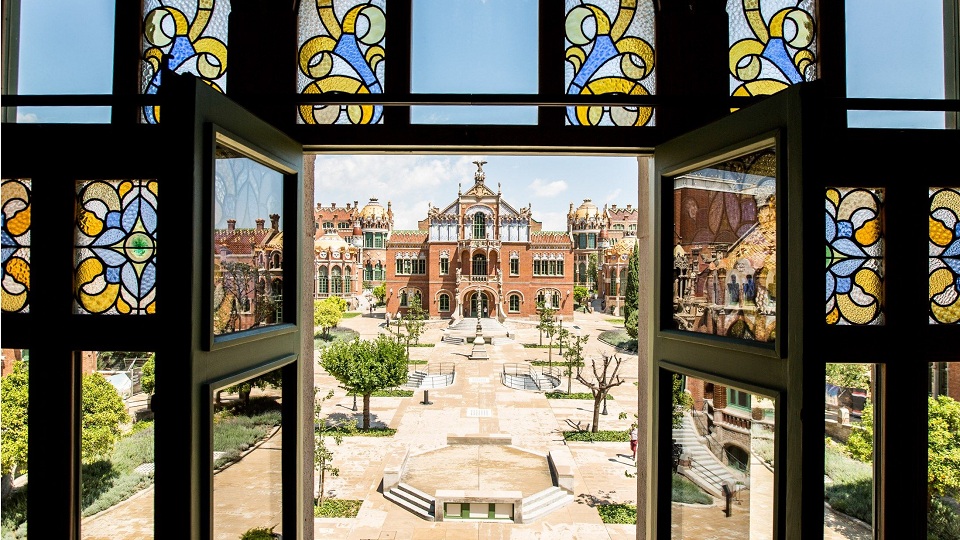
point(247, 450)
point(725, 257)
point(723, 461)
point(848, 482)
point(117, 445)
point(14, 406)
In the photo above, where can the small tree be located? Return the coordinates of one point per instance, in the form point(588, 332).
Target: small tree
point(605, 377)
point(574, 357)
point(681, 401)
point(13, 423)
point(592, 271)
point(580, 296)
point(327, 314)
point(380, 292)
point(631, 324)
point(413, 322)
point(943, 439)
point(547, 321)
point(322, 455)
point(103, 412)
point(239, 281)
point(366, 366)
point(148, 377)
point(631, 294)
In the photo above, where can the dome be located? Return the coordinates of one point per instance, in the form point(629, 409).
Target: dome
point(330, 240)
point(373, 210)
point(587, 210)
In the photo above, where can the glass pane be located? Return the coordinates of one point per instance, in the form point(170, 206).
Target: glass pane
point(117, 445)
point(192, 34)
point(854, 256)
point(14, 405)
point(943, 466)
point(848, 452)
point(725, 220)
point(248, 255)
point(116, 247)
point(15, 244)
point(944, 255)
point(474, 115)
point(247, 450)
point(608, 48)
point(723, 461)
point(341, 50)
point(773, 44)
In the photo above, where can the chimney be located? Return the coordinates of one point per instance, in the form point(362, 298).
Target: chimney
point(333, 205)
point(260, 223)
point(231, 224)
point(628, 207)
point(613, 206)
point(348, 206)
point(356, 204)
point(275, 222)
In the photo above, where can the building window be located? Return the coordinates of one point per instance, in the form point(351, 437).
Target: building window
point(536, 267)
point(514, 303)
point(336, 280)
point(368, 240)
point(592, 241)
point(583, 241)
point(420, 266)
point(399, 267)
point(322, 282)
point(347, 280)
point(479, 226)
point(582, 273)
point(444, 302)
point(560, 267)
point(479, 264)
point(738, 398)
point(403, 298)
point(379, 240)
point(343, 225)
point(514, 266)
point(368, 272)
point(327, 225)
point(444, 266)
point(379, 272)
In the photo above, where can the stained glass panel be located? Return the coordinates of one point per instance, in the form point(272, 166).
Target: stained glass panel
point(944, 255)
point(341, 51)
point(116, 247)
point(192, 34)
point(248, 252)
point(15, 244)
point(854, 256)
point(772, 45)
point(608, 47)
point(725, 258)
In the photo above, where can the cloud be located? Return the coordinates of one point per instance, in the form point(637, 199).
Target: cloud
point(552, 221)
point(543, 188)
point(613, 195)
point(29, 118)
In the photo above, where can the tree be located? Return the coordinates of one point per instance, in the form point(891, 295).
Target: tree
point(366, 366)
point(327, 314)
point(322, 455)
point(943, 440)
point(593, 272)
point(103, 412)
point(631, 324)
point(13, 423)
point(580, 295)
point(239, 285)
point(380, 292)
point(574, 357)
point(681, 401)
point(860, 441)
point(148, 377)
point(631, 300)
point(605, 377)
point(547, 321)
point(413, 322)
point(849, 375)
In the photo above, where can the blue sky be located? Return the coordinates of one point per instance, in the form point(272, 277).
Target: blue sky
point(894, 50)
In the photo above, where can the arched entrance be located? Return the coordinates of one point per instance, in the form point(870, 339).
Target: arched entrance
point(477, 302)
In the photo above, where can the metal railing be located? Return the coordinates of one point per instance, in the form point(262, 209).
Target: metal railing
point(437, 374)
point(714, 445)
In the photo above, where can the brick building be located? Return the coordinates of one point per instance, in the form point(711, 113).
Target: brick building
point(361, 234)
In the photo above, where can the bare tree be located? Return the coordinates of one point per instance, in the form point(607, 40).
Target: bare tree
point(605, 377)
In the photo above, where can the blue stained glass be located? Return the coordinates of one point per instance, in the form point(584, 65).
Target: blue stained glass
point(846, 267)
point(844, 285)
point(113, 219)
point(845, 229)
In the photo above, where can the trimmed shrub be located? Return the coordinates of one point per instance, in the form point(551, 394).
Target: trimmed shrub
point(337, 508)
point(618, 513)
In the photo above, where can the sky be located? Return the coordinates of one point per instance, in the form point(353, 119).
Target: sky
point(894, 49)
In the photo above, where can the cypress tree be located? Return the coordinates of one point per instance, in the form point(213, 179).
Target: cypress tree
point(632, 292)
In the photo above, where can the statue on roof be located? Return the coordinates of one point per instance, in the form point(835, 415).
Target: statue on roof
point(479, 176)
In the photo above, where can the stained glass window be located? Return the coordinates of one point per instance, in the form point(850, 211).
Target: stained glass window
point(725, 259)
point(192, 34)
point(854, 251)
point(116, 247)
point(15, 245)
point(772, 45)
point(341, 51)
point(944, 255)
point(608, 48)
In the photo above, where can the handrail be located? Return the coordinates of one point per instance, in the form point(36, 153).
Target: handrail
point(711, 441)
point(703, 470)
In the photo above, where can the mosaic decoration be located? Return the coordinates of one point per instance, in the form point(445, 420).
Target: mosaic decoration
point(854, 256)
point(608, 50)
point(192, 34)
point(341, 52)
point(725, 258)
point(944, 255)
point(116, 247)
point(15, 245)
point(772, 45)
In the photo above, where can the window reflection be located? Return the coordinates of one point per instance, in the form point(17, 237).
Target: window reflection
point(247, 465)
point(248, 253)
point(723, 461)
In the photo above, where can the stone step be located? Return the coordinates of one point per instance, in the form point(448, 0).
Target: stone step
point(553, 499)
point(402, 501)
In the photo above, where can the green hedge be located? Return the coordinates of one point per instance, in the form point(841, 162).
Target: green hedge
point(354, 431)
point(618, 339)
point(337, 508)
point(538, 346)
point(389, 392)
point(572, 395)
point(618, 513)
point(600, 436)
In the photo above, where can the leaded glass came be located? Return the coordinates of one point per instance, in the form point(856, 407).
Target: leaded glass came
point(854, 250)
point(192, 35)
point(15, 243)
point(944, 258)
point(341, 50)
point(608, 48)
point(116, 247)
point(772, 45)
